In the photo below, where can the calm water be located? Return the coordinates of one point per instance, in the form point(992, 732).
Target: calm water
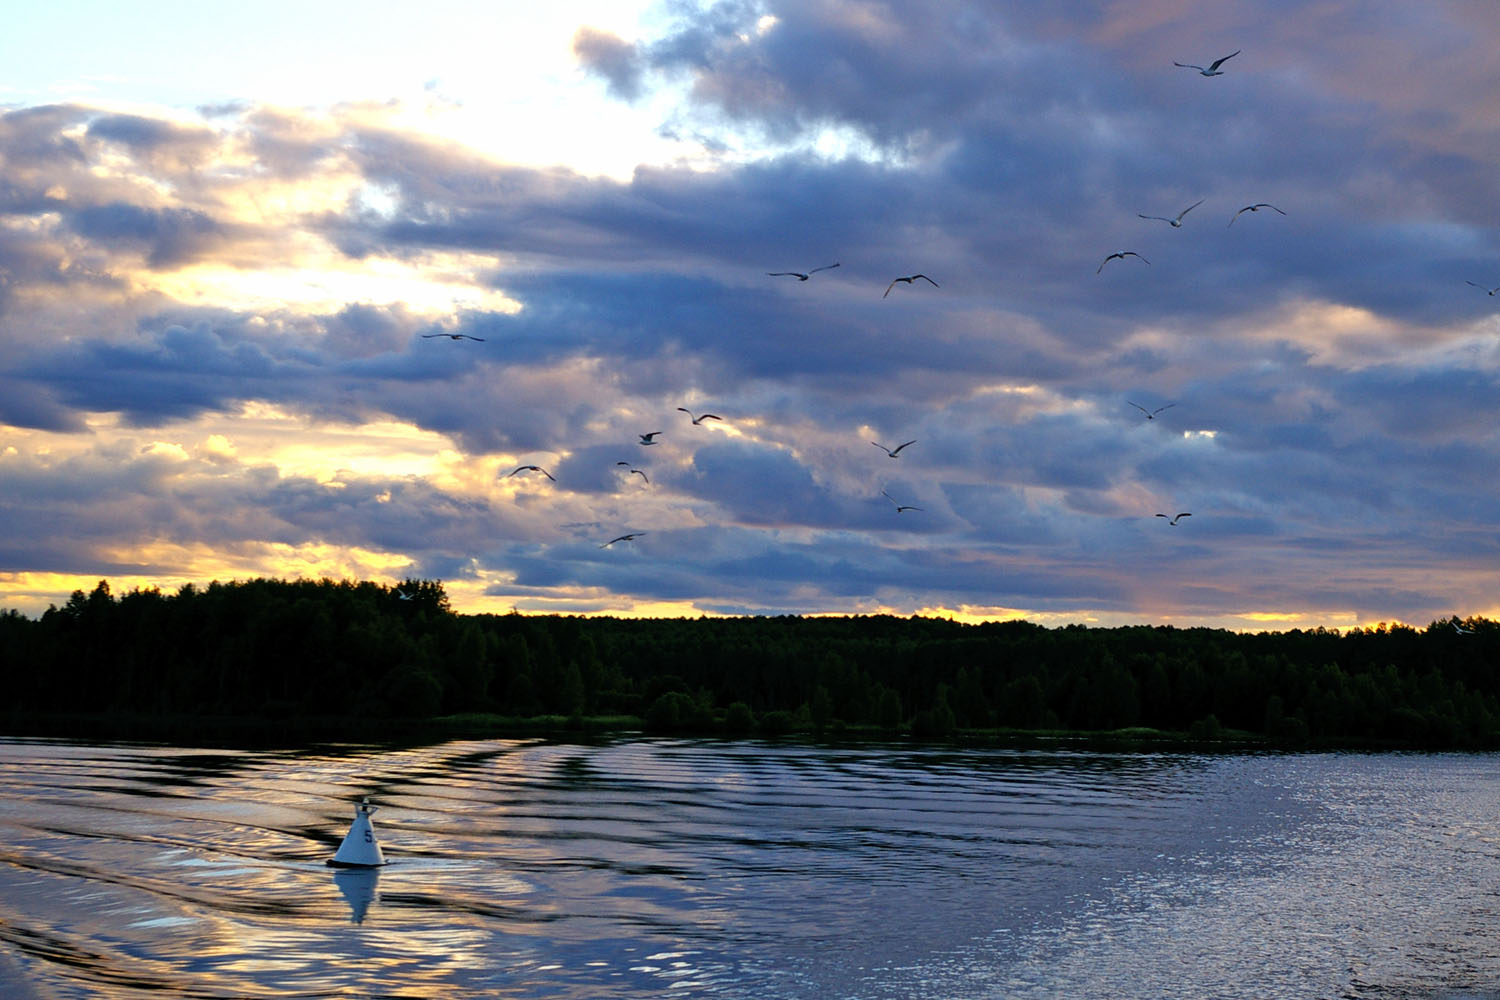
point(650, 868)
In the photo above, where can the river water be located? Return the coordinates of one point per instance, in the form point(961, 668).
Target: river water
point(651, 868)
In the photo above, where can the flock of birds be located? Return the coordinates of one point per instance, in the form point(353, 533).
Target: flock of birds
point(650, 438)
point(1176, 223)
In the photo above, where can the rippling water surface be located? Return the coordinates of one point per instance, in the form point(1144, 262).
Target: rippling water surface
point(648, 868)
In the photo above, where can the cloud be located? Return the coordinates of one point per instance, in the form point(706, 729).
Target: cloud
point(612, 58)
point(24, 404)
point(220, 344)
point(185, 371)
point(170, 146)
point(760, 485)
point(169, 238)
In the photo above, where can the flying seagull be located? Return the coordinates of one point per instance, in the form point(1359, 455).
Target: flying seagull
point(1177, 222)
point(1121, 255)
point(638, 472)
point(1175, 519)
point(893, 452)
point(452, 336)
point(533, 468)
point(908, 280)
point(623, 538)
point(899, 506)
point(1213, 67)
point(698, 420)
point(800, 275)
point(1151, 414)
point(1460, 629)
point(1492, 291)
point(1255, 208)
point(647, 438)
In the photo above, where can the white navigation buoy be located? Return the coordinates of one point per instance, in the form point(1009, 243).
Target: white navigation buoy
point(359, 849)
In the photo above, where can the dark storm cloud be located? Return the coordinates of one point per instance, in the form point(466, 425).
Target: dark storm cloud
point(24, 403)
point(394, 514)
point(134, 131)
point(1431, 404)
point(760, 218)
point(363, 360)
point(167, 237)
point(764, 486)
point(186, 371)
point(765, 572)
point(363, 329)
point(59, 515)
point(169, 145)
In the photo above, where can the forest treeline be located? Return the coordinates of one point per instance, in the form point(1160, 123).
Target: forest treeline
point(275, 649)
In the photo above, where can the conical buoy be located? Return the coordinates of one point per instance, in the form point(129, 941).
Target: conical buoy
point(359, 849)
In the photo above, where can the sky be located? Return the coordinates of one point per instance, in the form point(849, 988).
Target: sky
point(291, 291)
